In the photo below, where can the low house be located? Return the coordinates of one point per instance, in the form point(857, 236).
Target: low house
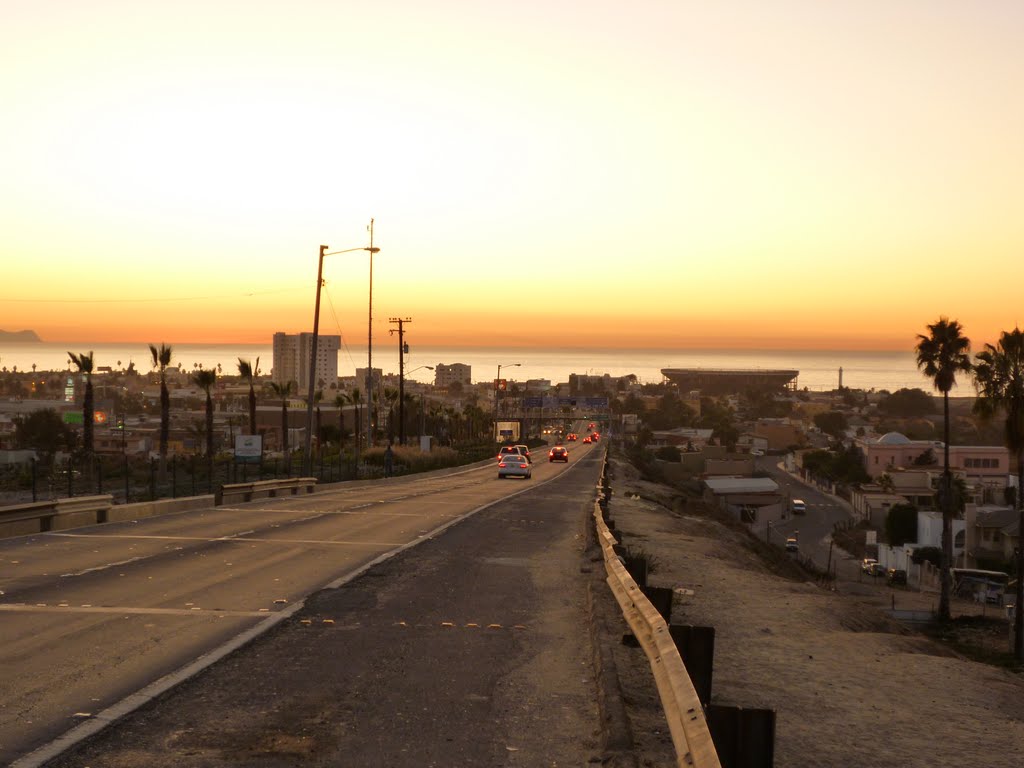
point(752, 443)
point(872, 505)
point(992, 534)
point(684, 438)
point(984, 464)
point(779, 434)
point(752, 500)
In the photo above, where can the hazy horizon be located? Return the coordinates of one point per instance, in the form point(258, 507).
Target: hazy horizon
point(792, 175)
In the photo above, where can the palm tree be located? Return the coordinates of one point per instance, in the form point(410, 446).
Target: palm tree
point(249, 372)
point(999, 379)
point(941, 355)
point(283, 391)
point(162, 359)
point(83, 363)
point(205, 380)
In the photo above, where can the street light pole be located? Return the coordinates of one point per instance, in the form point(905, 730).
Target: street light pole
point(402, 349)
point(307, 459)
point(497, 384)
point(369, 354)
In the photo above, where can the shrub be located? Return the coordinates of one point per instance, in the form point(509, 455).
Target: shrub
point(668, 453)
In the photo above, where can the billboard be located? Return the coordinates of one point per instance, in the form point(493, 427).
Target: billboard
point(248, 448)
point(506, 431)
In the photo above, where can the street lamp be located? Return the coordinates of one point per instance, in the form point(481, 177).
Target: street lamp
point(369, 351)
point(497, 384)
point(307, 459)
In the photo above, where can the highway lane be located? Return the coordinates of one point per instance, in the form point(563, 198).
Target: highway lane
point(470, 650)
point(92, 615)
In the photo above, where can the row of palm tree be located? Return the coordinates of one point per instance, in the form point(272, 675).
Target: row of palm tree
point(466, 424)
point(998, 373)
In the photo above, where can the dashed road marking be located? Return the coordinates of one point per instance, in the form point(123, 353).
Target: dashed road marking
point(120, 609)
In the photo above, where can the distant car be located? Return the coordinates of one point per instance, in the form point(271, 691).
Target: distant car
point(525, 451)
point(508, 449)
point(866, 563)
point(586, 439)
point(571, 437)
point(756, 452)
point(513, 465)
point(876, 570)
point(558, 453)
point(590, 426)
point(798, 506)
point(792, 545)
point(896, 576)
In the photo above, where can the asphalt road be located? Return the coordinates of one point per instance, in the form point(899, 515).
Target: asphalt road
point(92, 615)
point(813, 529)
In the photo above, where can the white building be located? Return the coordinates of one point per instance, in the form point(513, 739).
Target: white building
point(291, 360)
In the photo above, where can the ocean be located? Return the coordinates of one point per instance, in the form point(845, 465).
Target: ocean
point(819, 370)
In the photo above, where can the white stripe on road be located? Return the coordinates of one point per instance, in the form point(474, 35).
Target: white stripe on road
point(226, 539)
point(115, 609)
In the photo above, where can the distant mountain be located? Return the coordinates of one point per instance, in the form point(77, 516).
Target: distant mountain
point(19, 336)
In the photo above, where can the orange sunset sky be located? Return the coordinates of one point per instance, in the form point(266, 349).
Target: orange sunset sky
point(656, 174)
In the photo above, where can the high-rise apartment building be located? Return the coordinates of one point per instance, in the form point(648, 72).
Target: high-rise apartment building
point(291, 359)
point(446, 375)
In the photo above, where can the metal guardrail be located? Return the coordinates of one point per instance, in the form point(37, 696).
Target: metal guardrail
point(57, 514)
point(260, 489)
point(687, 723)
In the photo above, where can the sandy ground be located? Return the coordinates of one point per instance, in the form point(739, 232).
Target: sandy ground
point(849, 685)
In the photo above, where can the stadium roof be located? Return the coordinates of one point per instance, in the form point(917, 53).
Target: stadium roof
point(724, 381)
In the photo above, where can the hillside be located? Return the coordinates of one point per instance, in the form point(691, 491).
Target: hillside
point(19, 337)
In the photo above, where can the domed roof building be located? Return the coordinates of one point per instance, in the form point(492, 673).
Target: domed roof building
point(898, 438)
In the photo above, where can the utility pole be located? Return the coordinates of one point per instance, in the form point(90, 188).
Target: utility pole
point(403, 350)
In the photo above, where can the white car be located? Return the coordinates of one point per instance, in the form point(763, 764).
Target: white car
point(514, 465)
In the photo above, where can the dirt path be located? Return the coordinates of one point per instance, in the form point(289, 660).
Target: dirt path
point(849, 685)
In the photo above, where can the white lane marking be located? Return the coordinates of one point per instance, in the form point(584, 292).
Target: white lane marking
point(232, 540)
point(230, 536)
point(103, 567)
point(120, 609)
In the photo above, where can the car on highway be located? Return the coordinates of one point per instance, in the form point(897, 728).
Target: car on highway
point(571, 437)
point(519, 450)
point(514, 465)
point(792, 545)
point(586, 439)
point(558, 453)
point(595, 437)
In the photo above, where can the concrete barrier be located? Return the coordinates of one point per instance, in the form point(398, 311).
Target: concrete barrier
point(143, 509)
